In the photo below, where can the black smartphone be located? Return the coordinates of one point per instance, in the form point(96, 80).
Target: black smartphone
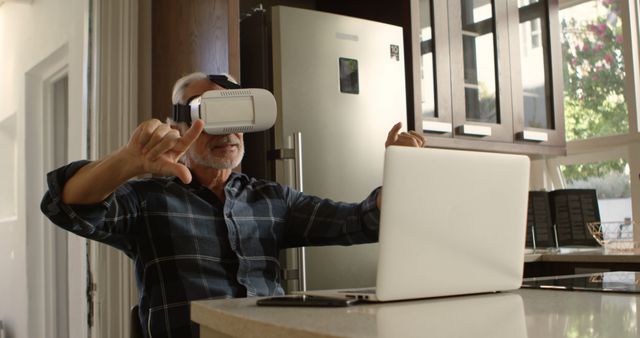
point(304, 300)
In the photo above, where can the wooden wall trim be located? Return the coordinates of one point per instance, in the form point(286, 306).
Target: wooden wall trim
point(234, 38)
point(189, 36)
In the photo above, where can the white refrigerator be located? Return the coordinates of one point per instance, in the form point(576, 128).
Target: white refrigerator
point(340, 83)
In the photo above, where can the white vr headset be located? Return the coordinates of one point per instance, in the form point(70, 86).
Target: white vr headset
point(235, 110)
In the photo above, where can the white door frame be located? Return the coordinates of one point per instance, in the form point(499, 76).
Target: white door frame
point(48, 254)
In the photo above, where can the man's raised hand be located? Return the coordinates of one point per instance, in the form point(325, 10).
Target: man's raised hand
point(409, 139)
point(155, 148)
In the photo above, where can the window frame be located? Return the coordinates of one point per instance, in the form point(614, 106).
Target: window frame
point(625, 146)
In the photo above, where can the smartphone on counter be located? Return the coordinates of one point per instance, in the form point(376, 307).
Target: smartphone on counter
point(304, 300)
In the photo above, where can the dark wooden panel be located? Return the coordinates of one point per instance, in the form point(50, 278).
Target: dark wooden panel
point(233, 26)
point(188, 36)
point(255, 43)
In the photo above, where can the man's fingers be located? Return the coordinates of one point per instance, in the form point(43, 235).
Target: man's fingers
point(411, 139)
point(419, 137)
point(167, 143)
point(406, 139)
point(190, 136)
point(156, 138)
point(395, 129)
point(169, 168)
point(146, 131)
point(182, 172)
point(165, 140)
point(393, 134)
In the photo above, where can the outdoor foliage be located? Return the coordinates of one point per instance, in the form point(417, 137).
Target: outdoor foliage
point(608, 183)
point(594, 102)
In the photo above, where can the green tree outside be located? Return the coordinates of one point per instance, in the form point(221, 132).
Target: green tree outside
point(594, 75)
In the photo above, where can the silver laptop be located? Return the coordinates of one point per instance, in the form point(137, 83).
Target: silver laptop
point(452, 222)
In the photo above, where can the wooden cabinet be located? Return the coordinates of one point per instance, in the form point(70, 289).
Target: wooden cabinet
point(481, 74)
point(487, 80)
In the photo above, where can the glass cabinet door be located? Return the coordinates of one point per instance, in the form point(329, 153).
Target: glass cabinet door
point(483, 71)
point(537, 111)
point(480, 77)
point(434, 76)
point(427, 69)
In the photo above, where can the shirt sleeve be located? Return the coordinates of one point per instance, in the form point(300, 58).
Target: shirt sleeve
point(314, 221)
point(110, 221)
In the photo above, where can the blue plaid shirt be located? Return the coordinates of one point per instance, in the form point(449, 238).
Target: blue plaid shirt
point(186, 244)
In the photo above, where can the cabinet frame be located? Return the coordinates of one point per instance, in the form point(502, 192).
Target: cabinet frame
point(442, 65)
point(506, 136)
point(556, 135)
point(502, 130)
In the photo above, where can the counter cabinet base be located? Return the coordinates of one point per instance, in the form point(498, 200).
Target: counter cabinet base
point(544, 269)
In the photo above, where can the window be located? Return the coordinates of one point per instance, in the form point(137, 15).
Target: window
point(427, 61)
point(596, 94)
point(478, 41)
point(611, 181)
point(594, 73)
point(530, 32)
point(536, 81)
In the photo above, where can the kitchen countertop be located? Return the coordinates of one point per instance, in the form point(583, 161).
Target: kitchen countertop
point(519, 313)
point(591, 255)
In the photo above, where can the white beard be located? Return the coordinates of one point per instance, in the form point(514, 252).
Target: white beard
point(210, 161)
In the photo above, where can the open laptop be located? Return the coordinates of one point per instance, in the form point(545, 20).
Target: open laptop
point(452, 222)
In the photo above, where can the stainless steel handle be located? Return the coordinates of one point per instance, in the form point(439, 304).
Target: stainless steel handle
point(295, 261)
point(534, 136)
point(436, 127)
point(475, 130)
point(297, 157)
point(296, 265)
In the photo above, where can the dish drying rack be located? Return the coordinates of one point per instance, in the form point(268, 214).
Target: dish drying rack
point(615, 236)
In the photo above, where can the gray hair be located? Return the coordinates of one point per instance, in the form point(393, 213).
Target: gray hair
point(182, 83)
point(177, 95)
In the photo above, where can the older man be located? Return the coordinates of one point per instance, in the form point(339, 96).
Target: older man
point(198, 230)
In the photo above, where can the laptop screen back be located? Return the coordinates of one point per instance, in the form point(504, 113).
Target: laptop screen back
point(452, 222)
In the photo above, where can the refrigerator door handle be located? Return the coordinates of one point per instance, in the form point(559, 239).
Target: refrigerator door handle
point(294, 154)
point(298, 270)
point(297, 148)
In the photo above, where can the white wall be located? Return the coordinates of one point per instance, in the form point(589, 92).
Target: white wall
point(29, 33)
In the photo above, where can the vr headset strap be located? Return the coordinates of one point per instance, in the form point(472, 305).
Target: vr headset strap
point(182, 113)
point(223, 81)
